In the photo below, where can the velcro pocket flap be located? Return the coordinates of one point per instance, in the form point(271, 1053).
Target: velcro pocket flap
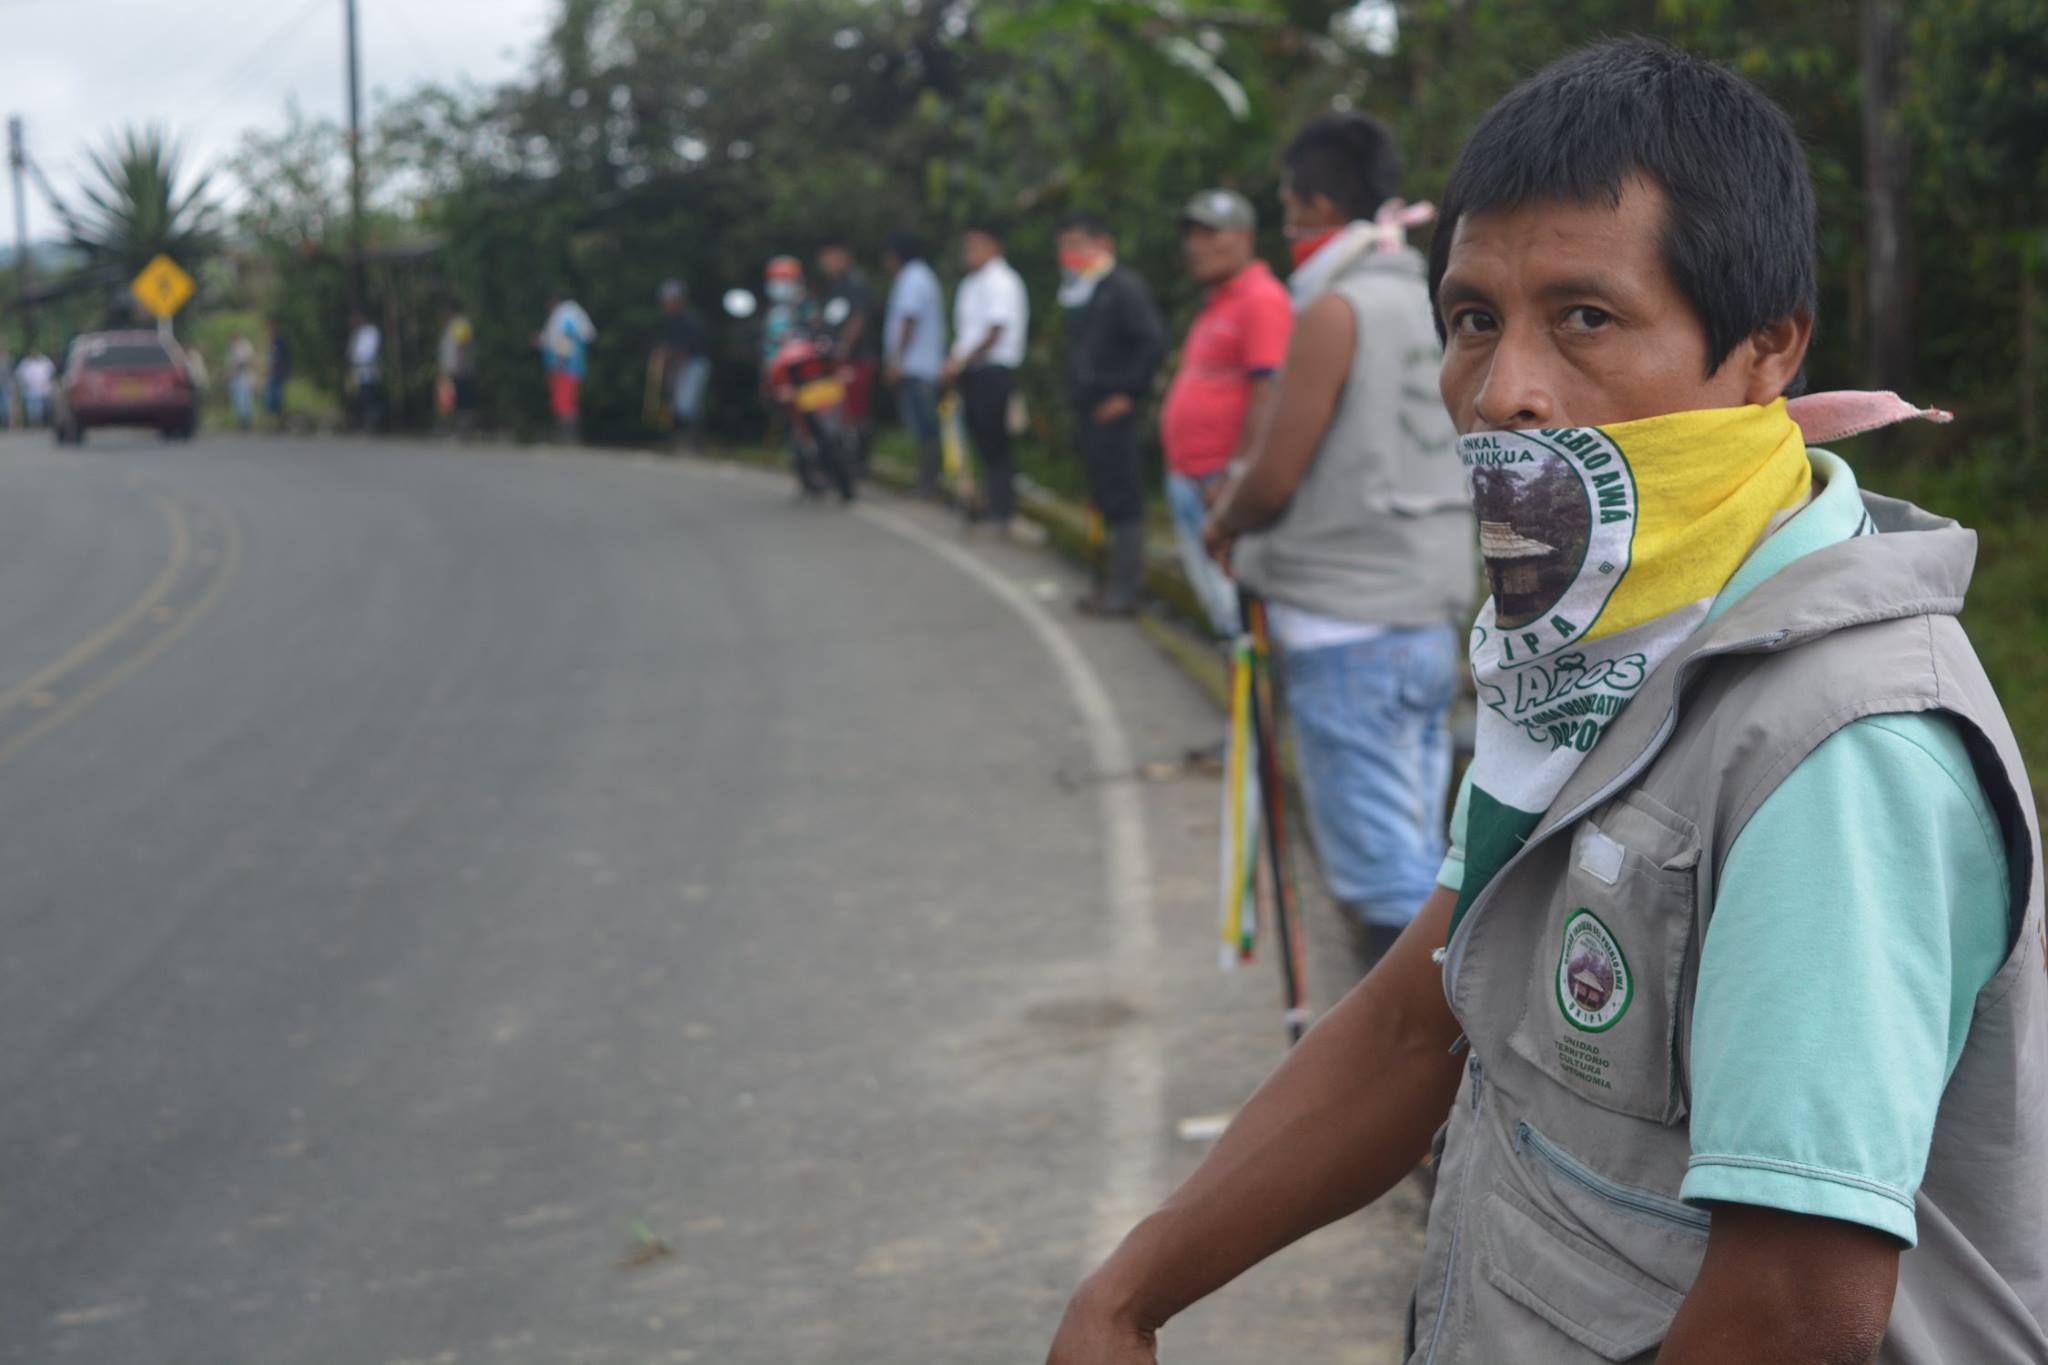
point(1586, 1293)
point(1660, 834)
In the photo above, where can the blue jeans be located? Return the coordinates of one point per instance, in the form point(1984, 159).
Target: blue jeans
point(917, 402)
point(1213, 588)
point(1371, 729)
point(687, 402)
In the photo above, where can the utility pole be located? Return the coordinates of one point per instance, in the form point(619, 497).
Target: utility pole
point(17, 160)
point(1887, 197)
point(355, 163)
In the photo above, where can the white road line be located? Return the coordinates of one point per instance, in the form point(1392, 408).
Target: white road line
point(1133, 1096)
point(1133, 1100)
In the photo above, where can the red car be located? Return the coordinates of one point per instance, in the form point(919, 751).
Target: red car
point(125, 379)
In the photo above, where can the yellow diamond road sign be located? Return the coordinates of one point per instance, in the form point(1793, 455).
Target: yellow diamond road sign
point(163, 287)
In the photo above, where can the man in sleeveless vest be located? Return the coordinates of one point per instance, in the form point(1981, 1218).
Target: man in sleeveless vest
point(1350, 519)
point(1728, 1023)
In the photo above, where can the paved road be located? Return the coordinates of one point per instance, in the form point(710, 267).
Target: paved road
point(431, 875)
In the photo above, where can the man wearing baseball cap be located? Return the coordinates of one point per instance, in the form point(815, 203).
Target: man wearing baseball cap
point(1224, 385)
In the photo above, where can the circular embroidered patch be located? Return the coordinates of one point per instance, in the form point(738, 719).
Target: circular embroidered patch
point(1593, 982)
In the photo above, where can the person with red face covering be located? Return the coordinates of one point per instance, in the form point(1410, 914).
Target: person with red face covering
point(1115, 343)
point(1350, 519)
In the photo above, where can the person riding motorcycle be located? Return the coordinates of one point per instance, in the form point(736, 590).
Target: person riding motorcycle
point(801, 375)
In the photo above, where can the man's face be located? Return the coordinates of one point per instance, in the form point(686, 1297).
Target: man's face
point(1082, 251)
point(1301, 214)
point(834, 262)
point(1215, 254)
point(977, 249)
point(1563, 314)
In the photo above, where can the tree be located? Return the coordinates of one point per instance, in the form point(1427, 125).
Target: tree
point(140, 204)
point(1887, 192)
point(1981, 109)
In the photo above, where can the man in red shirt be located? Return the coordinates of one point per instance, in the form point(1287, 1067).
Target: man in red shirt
point(1225, 383)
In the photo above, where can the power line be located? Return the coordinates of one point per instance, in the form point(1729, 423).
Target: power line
point(265, 48)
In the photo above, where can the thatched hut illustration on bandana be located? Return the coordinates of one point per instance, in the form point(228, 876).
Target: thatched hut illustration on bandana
point(1514, 570)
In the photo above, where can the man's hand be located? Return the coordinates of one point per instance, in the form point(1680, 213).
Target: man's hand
point(892, 376)
point(1113, 407)
point(950, 373)
point(1093, 1333)
point(1313, 1145)
point(1218, 542)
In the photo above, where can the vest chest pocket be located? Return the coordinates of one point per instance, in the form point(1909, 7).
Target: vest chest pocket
point(1601, 1010)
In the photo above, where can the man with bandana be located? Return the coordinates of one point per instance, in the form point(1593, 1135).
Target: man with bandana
point(1725, 1028)
point(1350, 519)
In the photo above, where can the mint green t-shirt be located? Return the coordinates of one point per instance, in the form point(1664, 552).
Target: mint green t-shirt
point(1860, 912)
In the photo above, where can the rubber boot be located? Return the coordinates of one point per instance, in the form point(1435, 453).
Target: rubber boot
point(1126, 565)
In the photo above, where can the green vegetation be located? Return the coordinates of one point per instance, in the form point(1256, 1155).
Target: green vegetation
point(695, 138)
point(139, 203)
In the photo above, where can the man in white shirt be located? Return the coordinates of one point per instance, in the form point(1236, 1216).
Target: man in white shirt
point(36, 375)
point(366, 373)
point(991, 319)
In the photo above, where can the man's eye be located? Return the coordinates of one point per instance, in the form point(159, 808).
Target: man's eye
point(1586, 318)
point(1470, 321)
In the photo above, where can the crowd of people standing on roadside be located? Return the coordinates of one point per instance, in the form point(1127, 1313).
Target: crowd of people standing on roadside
point(1305, 455)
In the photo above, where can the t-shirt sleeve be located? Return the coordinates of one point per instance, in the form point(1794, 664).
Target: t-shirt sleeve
point(1268, 324)
point(1016, 312)
point(1452, 873)
point(1860, 912)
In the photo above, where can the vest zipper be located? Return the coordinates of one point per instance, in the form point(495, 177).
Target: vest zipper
point(1454, 951)
point(1443, 1298)
point(1652, 1206)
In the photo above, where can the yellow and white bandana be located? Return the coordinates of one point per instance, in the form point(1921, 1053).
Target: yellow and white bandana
point(1605, 548)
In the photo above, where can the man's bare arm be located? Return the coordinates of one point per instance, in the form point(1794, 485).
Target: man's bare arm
point(1258, 412)
point(1788, 1288)
point(967, 361)
point(1284, 444)
point(849, 340)
point(1346, 1116)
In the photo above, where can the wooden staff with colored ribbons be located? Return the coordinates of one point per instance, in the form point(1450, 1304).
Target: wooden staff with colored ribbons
point(1272, 806)
point(1238, 890)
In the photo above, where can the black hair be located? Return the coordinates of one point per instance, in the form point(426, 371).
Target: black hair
point(1086, 223)
point(1350, 158)
point(987, 227)
point(1739, 231)
point(907, 247)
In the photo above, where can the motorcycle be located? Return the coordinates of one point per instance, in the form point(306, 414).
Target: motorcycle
point(804, 377)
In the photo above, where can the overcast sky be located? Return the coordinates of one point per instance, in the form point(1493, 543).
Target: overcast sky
point(78, 70)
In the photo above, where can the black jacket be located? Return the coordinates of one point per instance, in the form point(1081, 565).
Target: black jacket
point(1118, 342)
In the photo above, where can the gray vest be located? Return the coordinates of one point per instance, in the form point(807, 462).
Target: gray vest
point(1557, 1234)
point(1380, 530)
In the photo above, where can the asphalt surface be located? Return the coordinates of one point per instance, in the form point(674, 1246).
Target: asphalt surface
point(472, 906)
